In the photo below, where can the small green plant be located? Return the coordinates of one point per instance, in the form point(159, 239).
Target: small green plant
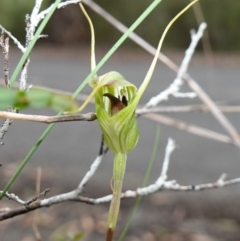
point(116, 100)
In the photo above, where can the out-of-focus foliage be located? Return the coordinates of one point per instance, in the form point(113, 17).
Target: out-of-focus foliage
point(222, 18)
point(37, 98)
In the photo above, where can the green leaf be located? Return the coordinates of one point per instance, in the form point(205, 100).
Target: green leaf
point(37, 98)
point(60, 102)
point(7, 98)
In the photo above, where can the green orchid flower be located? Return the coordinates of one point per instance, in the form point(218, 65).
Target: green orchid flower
point(115, 107)
point(116, 100)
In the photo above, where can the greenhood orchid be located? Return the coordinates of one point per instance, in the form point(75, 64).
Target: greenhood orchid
point(116, 100)
point(115, 107)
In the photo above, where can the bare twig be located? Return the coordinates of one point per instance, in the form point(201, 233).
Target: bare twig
point(40, 195)
point(215, 110)
point(23, 78)
point(42, 14)
point(193, 129)
point(206, 43)
point(49, 119)
point(148, 113)
point(34, 16)
point(19, 45)
point(187, 108)
point(5, 126)
point(5, 46)
point(174, 88)
point(12, 196)
point(93, 168)
point(64, 4)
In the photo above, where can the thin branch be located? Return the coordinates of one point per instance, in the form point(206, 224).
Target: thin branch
point(5, 46)
point(23, 77)
point(64, 4)
point(40, 195)
point(173, 185)
point(187, 108)
point(48, 119)
point(19, 45)
point(193, 129)
point(5, 126)
point(7, 213)
point(206, 43)
point(222, 119)
point(174, 88)
point(13, 197)
point(93, 168)
point(42, 14)
point(168, 151)
point(33, 18)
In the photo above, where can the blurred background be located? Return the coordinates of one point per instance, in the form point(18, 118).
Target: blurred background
point(68, 27)
point(62, 61)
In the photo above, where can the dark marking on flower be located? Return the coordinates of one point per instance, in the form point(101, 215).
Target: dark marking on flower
point(116, 104)
point(124, 100)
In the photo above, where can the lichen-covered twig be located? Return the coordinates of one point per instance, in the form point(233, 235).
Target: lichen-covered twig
point(19, 45)
point(4, 43)
point(160, 184)
point(12, 196)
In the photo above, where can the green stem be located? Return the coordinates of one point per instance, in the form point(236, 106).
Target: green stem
point(145, 182)
point(119, 167)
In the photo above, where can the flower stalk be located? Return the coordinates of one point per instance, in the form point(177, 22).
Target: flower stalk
point(119, 168)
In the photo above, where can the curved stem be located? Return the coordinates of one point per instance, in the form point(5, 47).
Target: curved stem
point(119, 167)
